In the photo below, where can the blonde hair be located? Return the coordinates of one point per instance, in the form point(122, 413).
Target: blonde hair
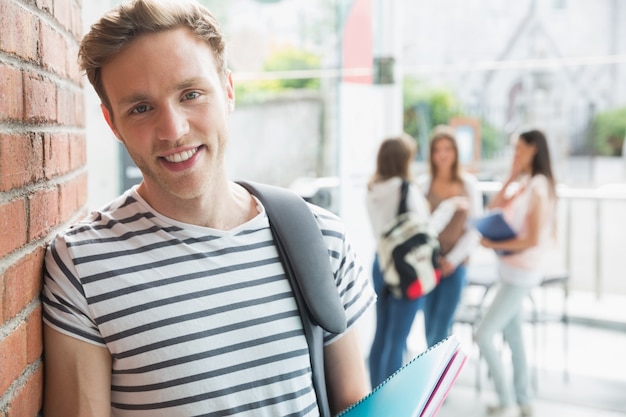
point(444, 132)
point(121, 25)
point(394, 158)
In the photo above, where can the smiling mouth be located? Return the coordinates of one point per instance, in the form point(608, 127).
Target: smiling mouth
point(181, 156)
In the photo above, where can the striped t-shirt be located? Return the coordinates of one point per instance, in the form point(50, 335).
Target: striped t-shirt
point(199, 322)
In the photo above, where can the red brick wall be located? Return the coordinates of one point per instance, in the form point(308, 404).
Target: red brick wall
point(42, 176)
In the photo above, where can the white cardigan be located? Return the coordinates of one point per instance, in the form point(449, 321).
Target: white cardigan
point(470, 238)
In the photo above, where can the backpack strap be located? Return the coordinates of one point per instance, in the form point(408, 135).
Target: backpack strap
point(404, 191)
point(304, 256)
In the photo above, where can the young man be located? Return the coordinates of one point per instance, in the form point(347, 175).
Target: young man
point(172, 300)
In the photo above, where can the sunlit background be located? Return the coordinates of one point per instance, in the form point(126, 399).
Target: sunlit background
point(320, 83)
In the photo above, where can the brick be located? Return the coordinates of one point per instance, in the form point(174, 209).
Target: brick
point(65, 107)
point(63, 13)
point(72, 197)
point(12, 357)
point(79, 109)
point(21, 160)
point(34, 336)
point(56, 154)
point(78, 151)
point(1, 300)
point(73, 69)
point(12, 93)
point(29, 398)
point(53, 50)
point(40, 99)
point(13, 226)
point(77, 23)
point(45, 6)
point(43, 213)
point(22, 282)
point(19, 31)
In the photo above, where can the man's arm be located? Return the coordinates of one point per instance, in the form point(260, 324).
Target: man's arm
point(344, 366)
point(77, 377)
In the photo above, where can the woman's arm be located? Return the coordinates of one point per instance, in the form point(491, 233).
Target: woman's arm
point(344, 366)
point(470, 238)
point(77, 377)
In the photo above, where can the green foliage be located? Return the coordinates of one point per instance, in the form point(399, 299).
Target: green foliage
point(287, 59)
point(608, 131)
point(441, 104)
point(492, 139)
point(426, 107)
point(290, 59)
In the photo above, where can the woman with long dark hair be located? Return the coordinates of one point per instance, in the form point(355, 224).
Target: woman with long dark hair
point(530, 210)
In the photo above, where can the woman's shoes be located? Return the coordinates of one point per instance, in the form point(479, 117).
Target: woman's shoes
point(524, 410)
point(502, 411)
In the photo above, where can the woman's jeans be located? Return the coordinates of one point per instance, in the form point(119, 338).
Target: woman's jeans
point(394, 318)
point(441, 304)
point(505, 315)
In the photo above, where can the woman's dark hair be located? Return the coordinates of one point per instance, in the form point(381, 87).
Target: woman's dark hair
point(541, 161)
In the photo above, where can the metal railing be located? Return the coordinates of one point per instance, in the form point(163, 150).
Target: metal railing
point(568, 196)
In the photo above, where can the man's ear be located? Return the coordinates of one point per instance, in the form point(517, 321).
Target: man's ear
point(109, 119)
point(230, 91)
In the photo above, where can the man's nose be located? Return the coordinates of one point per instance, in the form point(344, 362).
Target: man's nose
point(172, 123)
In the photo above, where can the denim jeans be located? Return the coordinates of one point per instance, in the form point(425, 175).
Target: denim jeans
point(440, 305)
point(394, 318)
point(506, 315)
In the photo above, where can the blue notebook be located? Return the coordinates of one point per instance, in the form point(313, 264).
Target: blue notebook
point(494, 227)
point(418, 388)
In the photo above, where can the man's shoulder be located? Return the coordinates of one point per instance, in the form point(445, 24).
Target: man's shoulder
point(122, 210)
point(326, 219)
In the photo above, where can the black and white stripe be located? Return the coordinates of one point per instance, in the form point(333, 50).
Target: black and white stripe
point(198, 321)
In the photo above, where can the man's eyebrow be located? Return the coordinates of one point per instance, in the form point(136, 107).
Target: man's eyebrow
point(186, 84)
point(132, 98)
point(137, 97)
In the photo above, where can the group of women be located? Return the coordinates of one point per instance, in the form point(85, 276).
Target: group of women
point(527, 200)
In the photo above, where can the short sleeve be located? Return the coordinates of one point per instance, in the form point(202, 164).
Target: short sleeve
point(353, 285)
point(65, 307)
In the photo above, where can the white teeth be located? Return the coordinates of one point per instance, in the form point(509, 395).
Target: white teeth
point(181, 156)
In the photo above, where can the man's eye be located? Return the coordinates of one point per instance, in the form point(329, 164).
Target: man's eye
point(142, 108)
point(191, 95)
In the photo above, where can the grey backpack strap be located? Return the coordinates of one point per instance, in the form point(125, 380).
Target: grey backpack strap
point(296, 229)
point(305, 258)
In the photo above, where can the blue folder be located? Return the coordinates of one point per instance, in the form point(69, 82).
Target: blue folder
point(418, 388)
point(494, 227)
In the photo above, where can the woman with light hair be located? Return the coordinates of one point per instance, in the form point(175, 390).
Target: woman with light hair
point(458, 239)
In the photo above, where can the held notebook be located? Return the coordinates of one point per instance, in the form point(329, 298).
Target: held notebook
point(494, 227)
point(418, 388)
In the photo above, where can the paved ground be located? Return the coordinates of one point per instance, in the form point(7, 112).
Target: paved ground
point(584, 377)
point(588, 380)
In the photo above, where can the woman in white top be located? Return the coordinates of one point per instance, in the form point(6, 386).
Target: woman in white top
point(530, 210)
point(458, 239)
point(394, 316)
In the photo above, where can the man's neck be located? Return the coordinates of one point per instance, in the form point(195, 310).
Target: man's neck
point(220, 207)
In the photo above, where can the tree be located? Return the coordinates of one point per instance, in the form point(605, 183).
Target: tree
point(608, 131)
point(286, 59)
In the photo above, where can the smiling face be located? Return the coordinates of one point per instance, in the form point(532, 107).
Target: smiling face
point(523, 156)
point(170, 107)
point(443, 154)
